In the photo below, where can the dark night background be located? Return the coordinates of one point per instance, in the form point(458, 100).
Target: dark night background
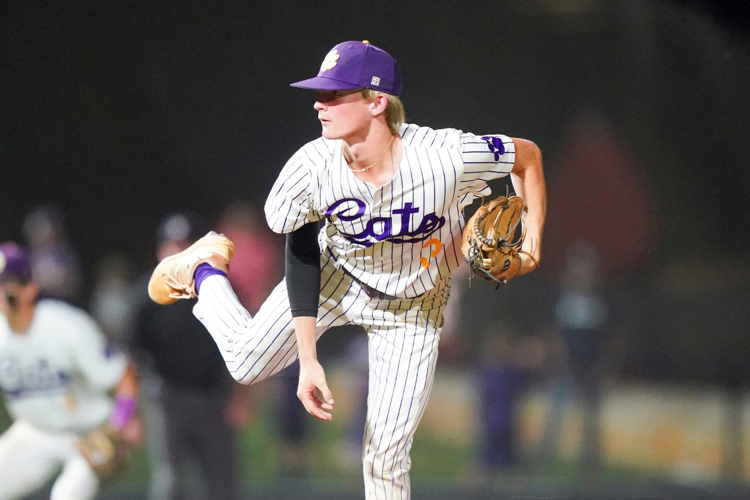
point(120, 112)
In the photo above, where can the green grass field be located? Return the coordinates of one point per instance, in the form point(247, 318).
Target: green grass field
point(261, 459)
point(439, 472)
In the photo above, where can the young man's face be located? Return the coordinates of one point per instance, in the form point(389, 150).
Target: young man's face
point(343, 113)
point(11, 294)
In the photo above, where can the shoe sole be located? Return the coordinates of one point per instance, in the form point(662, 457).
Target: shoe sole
point(160, 291)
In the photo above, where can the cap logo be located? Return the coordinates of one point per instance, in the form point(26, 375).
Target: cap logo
point(330, 61)
point(2, 262)
point(375, 81)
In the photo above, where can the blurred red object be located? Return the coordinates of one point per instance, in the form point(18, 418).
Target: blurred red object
point(598, 193)
point(258, 262)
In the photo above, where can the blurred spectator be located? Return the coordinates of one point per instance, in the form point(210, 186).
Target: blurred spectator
point(55, 264)
point(189, 399)
point(258, 262)
point(507, 366)
point(558, 396)
point(110, 298)
point(57, 374)
point(580, 318)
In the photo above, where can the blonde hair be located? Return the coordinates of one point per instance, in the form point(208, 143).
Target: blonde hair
point(394, 110)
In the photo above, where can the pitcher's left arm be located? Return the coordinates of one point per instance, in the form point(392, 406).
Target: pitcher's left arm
point(527, 177)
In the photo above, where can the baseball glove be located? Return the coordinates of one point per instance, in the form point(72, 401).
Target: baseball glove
point(489, 246)
point(104, 450)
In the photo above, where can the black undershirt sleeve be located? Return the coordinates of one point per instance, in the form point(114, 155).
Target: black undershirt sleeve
point(302, 256)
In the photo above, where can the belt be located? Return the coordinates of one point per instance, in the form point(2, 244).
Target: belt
point(370, 291)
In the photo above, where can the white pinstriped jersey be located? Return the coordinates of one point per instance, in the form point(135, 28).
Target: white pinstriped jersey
point(401, 238)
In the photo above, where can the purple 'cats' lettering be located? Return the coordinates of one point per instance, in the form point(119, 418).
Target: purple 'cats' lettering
point(381, 228)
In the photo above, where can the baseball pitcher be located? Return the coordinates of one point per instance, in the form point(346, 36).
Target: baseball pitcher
point(391, 196)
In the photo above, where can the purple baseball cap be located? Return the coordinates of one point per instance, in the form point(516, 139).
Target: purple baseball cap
point(14, 263)
point(356, 65)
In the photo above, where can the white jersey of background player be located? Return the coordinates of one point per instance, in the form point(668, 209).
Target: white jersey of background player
point(56, 371)
point(391, 196)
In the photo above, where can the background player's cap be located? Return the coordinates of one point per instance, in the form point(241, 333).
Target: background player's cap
point(15, 264)
point(356, 65)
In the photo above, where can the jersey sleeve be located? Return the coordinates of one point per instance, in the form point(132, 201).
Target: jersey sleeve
point(97, 360)
point(485, 158)
point(290, 203)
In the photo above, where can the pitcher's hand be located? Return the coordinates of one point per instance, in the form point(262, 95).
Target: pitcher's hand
point(313, 390)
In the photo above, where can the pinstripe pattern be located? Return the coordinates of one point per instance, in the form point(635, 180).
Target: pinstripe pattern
point(367, 229)
point(402, 239)
point(403, 341)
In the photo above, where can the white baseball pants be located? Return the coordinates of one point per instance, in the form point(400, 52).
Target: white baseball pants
point(29, 457)
point(403, 347)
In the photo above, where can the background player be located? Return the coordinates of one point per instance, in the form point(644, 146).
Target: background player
point(55, 371)
point(186, 392)
point(392, 197)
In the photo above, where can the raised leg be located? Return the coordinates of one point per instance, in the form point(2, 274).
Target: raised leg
point(253, 348)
